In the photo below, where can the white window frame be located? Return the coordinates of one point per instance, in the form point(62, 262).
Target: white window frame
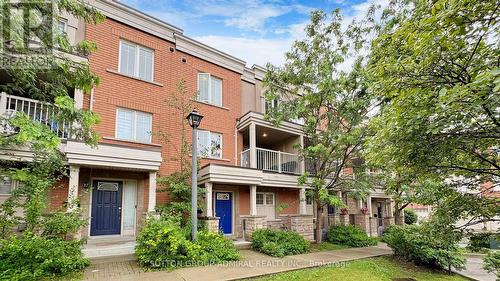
point(65, 22)
point(210, 138)
point(265, 198)
point(134, 125)
point(13, 185)
point(137, 56)
point(210, 100)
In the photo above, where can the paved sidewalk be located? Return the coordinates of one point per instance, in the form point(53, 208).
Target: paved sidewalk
point(253, 264)
point(474, 270)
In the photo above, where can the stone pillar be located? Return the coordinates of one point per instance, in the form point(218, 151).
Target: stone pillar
point(344, 219)
point(253, 146)
point(302, 201)
point(302, 224)
point(212, 224)
point(252, 223)
point(208, 200)
point(363, 221)
point(152, 192)
point(253, 200)
point(74, 174)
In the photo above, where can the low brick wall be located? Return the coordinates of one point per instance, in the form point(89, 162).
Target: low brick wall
point(373, 227)
point(212, 223)
point(252, 223)
point(302, 224)
point(276, 224)
point(363, 221)
point(333, 220)
point(344, 219)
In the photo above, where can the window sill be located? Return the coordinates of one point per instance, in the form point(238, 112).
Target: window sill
point(209, 104)
point(133, 77)
point(131, 141)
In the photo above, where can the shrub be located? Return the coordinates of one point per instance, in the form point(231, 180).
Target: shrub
point(491, 263)
point(62, 224)
point(479, 241)
point(162, 243)
point(349, 235)
point(215, 248)
point(279, 243)
point(415, 243)
point(410, 216)
point(33, 257)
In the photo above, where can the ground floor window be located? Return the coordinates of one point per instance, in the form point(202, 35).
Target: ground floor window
point(266, 204)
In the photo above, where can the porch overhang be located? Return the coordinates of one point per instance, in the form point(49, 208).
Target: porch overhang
point(112, 156)
point(225, 174)
point(258, 119)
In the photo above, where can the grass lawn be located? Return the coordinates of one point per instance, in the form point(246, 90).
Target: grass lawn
point(326, 246)
point(375, 269)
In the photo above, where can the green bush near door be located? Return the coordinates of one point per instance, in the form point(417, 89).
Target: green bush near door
point(279, 243)
point(349, 235)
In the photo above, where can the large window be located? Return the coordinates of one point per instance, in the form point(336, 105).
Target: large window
point(133, 125)
point(209, 144)
point(209, 89)
point(136, 61)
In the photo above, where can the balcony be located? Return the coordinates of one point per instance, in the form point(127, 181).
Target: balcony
point(271, 160)
point(38, 111)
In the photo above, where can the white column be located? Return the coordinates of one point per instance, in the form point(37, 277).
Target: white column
point(152, 192)
point(253, 146)
point(208, 199)
point(3, 103)
point(302, 161)
point(253, 200)
point(369, 205)
point(78, 98)
point(302, 201)
point(74, 174)
point(360, 203)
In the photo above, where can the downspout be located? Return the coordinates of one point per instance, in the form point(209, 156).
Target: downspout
point(236, 141)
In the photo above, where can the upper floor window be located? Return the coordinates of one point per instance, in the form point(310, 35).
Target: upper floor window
point(133, 125)
point(62, 26)
point(209, 144)
point(209, 89)
point(137, 61)
point(269, 104)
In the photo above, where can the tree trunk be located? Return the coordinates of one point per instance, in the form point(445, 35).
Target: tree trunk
point(398, 219)
point(319, 224)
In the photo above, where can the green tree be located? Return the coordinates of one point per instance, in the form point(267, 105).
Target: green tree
point(435, 67)
point(55, 85)
point(410, 216)
point(333, 103)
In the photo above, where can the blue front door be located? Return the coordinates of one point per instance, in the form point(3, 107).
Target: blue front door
point(106, 208)
point(224, 210)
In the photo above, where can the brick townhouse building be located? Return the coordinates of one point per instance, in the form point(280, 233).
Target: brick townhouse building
point(249, 168)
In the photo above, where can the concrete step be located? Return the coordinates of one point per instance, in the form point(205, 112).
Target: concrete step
point(102, 250)
point(242, 245)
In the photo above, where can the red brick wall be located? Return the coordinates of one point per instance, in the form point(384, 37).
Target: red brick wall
point(289, 198)
point(116, 90)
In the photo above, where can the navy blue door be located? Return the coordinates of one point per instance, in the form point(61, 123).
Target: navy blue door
point(224, 210)
point(106, 208)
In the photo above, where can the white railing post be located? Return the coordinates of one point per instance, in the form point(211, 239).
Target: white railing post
point(3, 103)
point(279, 162)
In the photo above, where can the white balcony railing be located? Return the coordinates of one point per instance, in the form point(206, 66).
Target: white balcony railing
point(272, 160)
point(245, 158)
point(38, 111)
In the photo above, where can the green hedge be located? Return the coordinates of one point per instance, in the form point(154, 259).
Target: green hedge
point(33, 257)
point(410, 216)
point(162, 243)
point(279, 243)
point(413, 243)
point(481, 241)
point(349, 235)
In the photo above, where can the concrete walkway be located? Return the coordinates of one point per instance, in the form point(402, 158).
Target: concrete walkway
point(474, 270)
point(253, 264)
